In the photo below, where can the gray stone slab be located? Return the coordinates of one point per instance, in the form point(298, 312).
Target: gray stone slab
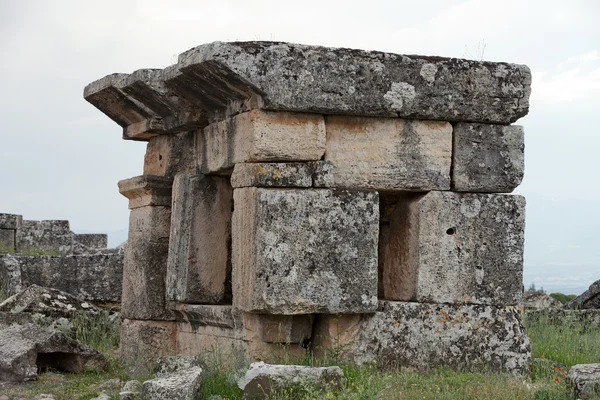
point(199, 263)
point(89, 242)
point(487, 158)
point(99, 277)
point(427, 336)
point(58, 272)
point(145, 264)
point(446, 247)
point(385, 154)
point(302, 78)
point(303, 251)
point(10, 221)
point(46, 236)
point(181, 385)
point(272, 175)
point(590, 299)
point(584, 381)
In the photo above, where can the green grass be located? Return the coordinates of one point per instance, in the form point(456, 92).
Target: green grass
point(563, 343)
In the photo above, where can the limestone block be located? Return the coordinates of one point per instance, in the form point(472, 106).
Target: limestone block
point(199, 263)
point(7, 240)
point(487, 158)
point(49, 271)
point(426, 336)
point(167, 155)
point(205, 314)
point(143, 342)
point(53, 236)
point(294, 77)
point(590, 299)
point(99, 277)
point(259, 136)
point(89, 242)
point(446, 247)
point(278, 328)
point(10, 221)
point(271, 175)
point(584, 381)
point(10, 274)
point(145, 265)
point(147, 190)
point(386, 154)
point(303, 251)
point(181, 385)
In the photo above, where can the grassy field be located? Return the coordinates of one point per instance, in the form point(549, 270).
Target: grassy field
point(555, 349)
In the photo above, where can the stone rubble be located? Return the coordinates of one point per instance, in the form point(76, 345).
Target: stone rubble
point(584, 381)
point(287, 187)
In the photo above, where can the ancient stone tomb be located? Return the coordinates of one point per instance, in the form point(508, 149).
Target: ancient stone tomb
point(329, 199)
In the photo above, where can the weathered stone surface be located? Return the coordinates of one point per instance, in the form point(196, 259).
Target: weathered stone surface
point(584, 380)
point(303, 251)
point(261, 379)
point(205, 314)
point(590, 299)
point(581, 319)
point(131, 390)
point(8, 318)
point(181, 385)
point(487, 158)
point(89, 242)
point(271, 175)
point(143, 342)
point(7, 240)
point(171, 364)
point(96, 277)
point(294, 77)
point(386, 154)
point(446, 247)
point(25, 348)
point(199, 262)
point(10, 221)
point(425, 336)
point(167, 155)
point(259, 136)
point(539, 301)
point(279, 328)
point(145, 264)
point(46, 301)
point(147, 190)
point(48, 235)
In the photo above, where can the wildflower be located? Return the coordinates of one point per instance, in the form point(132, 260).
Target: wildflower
point(556, 379)
point(542, 356)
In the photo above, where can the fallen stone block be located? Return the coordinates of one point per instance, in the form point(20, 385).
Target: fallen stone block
point(27, 348)
point(168, 155)
point(271, 175)
point(487, 158)
point(131, 390)
point(386, 154)
point(301, 251)
point(261, 380)
point(259, 136)
point(47, 301)
point(590, 299)
point(446, 247)
point(171, 364)
point(181, 385)
point(426, 336)
point(584, 381)
point(199, 261)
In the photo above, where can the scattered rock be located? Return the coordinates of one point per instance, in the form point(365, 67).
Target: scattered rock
point(110, 384)
point(170, 364)
point(588, 299)
point(43, 396)
point(261, 379)
point(180, 385)
point(131, 390)
point(539, 301)
point(46, 301)
point(101, 396)
point(584, 380)
point(25, 348)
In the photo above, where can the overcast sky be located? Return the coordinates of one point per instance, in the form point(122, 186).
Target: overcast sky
point(61, 158)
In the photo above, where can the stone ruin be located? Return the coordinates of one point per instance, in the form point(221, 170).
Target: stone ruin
point(48, 254)
point(300, 198)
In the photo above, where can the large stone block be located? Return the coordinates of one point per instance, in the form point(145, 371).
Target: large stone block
point(143, 342)
point(10, 221)
point(199, 263)
point(487, 158)
point(303, 251)
point(386, 154)
point(425, 336)
point(278, 328)
point(446, 247)
point(7, 240)
point(272, 175)
point(167, 155)
point(89, 242)
point(48, 236)
point(147, 190)
point(145, 265)
point(259, 136)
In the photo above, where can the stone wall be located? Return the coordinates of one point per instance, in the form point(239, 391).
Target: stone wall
point(323, 197)
point(47, 253)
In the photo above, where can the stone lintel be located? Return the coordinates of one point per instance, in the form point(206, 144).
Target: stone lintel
point(147, 190)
